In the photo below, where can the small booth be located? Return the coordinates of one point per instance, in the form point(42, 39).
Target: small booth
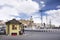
point(14, 27)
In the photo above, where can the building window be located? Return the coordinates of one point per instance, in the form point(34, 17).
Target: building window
point(14, 27)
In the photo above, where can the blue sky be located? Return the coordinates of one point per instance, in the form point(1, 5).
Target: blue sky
point(50, 4)
point(24, 9)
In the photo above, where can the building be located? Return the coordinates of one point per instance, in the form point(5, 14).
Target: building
point(25, 22)
point(2, 24)
point(14, 27)
point(31, 22)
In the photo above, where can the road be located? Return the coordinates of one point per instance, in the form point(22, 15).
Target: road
point(32, 35)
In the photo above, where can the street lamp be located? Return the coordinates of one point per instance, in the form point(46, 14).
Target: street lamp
point(50, 23)
point(42, 4)
point(41, 16)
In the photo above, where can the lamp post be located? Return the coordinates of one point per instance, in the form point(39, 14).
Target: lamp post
point(50, 23)
point(42, 4)
point(46, 22)
point(41, 17)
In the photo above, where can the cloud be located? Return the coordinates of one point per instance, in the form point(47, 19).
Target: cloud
point(15, 7)
point(36, 18)
point(58, 6)
point(42, 3)
point(54, 15)
point(6, 12)
point(29, 7)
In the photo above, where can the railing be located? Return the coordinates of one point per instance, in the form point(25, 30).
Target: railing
point(43, 30)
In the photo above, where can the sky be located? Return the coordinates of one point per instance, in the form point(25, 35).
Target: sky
point(24, 9)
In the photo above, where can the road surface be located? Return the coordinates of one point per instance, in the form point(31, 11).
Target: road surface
point(32, 35)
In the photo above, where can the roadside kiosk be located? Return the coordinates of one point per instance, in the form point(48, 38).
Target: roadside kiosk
point(14, 27)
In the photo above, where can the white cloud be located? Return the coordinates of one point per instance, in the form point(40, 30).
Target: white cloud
point(36, 18)
point(6, 12)
point(14, 7)
point(44, 19)
point(58, 6)
point(54, 15)
point(29, 7)
point(42, 3)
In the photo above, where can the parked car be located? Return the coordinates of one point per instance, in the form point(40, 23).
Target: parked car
point(2, 31)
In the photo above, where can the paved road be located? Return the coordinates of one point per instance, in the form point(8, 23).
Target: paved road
point(34, 36)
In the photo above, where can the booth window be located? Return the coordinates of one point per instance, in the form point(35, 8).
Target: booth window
point(14, 27)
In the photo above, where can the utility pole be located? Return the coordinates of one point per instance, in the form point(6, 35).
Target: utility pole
point(41, 17)
point(46, 20)
point(50, 23)
point(41, 5)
